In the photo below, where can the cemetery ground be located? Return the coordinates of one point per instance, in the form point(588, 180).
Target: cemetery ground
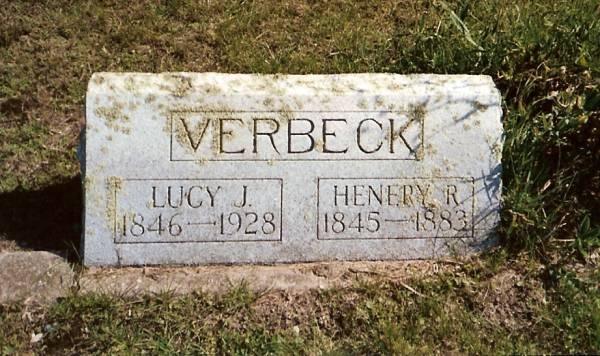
point(537, 292)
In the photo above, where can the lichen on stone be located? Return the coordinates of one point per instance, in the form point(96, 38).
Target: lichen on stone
point(113, 186)
point(114, 117)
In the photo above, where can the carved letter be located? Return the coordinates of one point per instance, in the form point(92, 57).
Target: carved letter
point(344, 195)
point(189, 197)
point(242, 203)
point(223, 133)
point(268, 134)
point(358, 129)
point(193, 144)
point(379, 197)
point(424, 193)
point(290, 134)
point(394, 135)
point(212, 195)
point(451, 191)
point(170, 200)
point(358, 193)
point(154, 199)
point(327, 133)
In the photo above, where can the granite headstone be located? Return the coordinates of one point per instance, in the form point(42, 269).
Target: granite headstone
point(193, 168)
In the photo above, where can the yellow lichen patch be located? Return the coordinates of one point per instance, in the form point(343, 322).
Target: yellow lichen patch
point(299, 103)
point(113, 186)
point(496, 150)
point(188, 131)
point(325, 99)
point(362, 103)
point(130, 84)
point(98, 79)
point(286, 114)
point(185, 132)
point(268, 84)
point(417, 114)
point(394, 86)
point(318, 145)
point(178, 85)
point(448, 165)
point(436, 172)
point(211, 89)
point(479, 106)
point(429, 149)
point(268, 102)
point(337, 89)
point(114, 117)
point(88, 182)
point(216, 143)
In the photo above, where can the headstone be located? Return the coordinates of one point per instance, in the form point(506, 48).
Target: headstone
point(188, 168)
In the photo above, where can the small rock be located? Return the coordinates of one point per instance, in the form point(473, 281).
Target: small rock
point(33, 277)
point(35, 338)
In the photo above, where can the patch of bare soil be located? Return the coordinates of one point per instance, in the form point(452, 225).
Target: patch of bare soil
point(507, 298)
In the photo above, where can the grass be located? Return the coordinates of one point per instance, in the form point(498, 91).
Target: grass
point(469, 310)
point(543, 55)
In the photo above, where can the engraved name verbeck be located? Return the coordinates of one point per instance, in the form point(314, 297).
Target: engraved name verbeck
point(297, 135)
point(197, 210)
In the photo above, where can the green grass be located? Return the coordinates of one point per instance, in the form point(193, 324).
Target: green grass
point(543, 55)
point(468, 311)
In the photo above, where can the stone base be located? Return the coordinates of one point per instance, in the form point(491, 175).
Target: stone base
point(41, 277)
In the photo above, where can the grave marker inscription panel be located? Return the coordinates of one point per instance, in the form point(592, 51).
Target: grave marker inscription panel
point(189, 168)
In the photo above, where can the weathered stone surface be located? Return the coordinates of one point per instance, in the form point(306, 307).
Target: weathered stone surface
point(33, 277)
point(289, 278)
point(289, 168)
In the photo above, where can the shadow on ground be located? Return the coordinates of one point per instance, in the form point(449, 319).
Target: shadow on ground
point(46, 219)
